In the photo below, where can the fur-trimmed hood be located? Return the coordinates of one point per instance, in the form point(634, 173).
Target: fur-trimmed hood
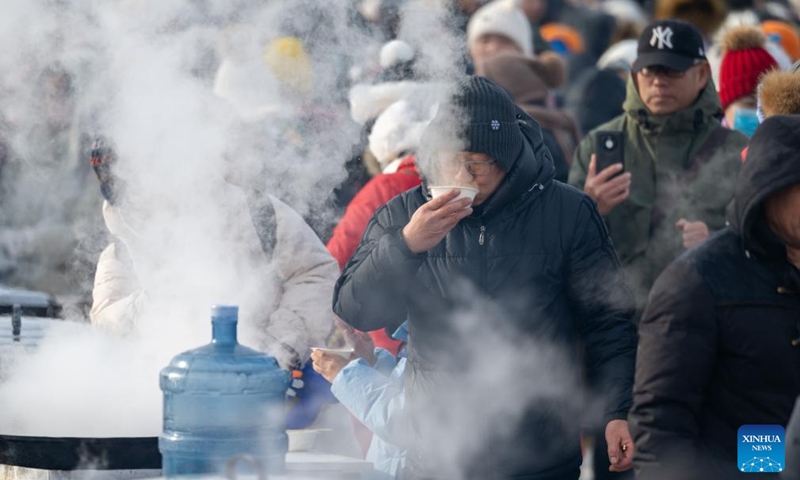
point(526, 79)
point(779, 93)
point(707, 15)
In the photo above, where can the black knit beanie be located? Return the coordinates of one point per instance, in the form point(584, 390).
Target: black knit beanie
point(489, 121)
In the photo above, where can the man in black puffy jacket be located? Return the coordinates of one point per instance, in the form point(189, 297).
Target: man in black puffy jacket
point(719, 342)
point(530, 256)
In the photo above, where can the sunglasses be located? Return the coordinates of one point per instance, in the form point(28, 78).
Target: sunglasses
point(654, 70)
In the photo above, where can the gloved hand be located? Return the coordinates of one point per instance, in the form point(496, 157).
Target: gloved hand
point(103, 159)
point(308, 393)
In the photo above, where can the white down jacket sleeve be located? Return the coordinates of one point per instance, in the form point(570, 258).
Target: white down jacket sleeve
point(117, 295)
point(300, 317)
point(303, 317)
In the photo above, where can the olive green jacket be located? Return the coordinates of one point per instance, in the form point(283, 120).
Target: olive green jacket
point(678, 170)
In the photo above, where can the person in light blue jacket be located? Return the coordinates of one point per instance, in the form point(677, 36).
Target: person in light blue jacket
point(375, 395)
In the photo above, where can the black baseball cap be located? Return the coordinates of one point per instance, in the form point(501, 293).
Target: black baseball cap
point(670, 43)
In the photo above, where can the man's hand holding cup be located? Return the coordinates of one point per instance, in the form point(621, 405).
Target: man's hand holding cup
point(434, 220)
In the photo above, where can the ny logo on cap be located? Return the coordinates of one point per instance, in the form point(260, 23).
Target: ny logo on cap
point(662, 35)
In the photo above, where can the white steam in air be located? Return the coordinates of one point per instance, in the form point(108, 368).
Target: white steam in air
point(143, 75)
point(193, 99)
point(81, 383)
point(475, 408)
point(441, 61)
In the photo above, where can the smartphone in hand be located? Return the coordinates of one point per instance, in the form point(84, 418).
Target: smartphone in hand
point(610, 149)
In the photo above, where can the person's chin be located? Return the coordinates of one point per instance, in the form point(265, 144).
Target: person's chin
point(662, 106)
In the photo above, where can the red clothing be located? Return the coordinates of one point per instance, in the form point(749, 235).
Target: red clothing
point(379, 190)
point(347, 234)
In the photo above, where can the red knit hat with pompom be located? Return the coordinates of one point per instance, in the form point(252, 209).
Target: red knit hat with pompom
point(744, 61)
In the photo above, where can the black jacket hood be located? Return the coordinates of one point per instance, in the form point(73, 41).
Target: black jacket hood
point(773, 163)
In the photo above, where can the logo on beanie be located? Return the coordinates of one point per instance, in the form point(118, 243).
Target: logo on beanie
point(495, 125)
point(662, 36)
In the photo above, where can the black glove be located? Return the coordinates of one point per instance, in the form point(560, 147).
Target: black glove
point(103, 160)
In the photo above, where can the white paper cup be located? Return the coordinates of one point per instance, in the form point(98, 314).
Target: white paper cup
point(303, 440)
point(466, 192)
point(342, 352)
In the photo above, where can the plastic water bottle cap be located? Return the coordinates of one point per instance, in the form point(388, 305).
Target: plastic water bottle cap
point(225, 312)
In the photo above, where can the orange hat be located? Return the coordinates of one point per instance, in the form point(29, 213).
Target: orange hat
point(570, 38)
point(786, 36)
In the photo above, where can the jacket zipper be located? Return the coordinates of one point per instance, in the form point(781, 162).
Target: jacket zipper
point(481, 240)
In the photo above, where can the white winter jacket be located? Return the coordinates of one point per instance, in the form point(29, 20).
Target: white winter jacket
point(288, 305)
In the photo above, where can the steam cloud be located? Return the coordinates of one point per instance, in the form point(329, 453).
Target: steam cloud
point(143, 73)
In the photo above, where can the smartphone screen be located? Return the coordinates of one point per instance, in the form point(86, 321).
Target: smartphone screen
point(610, 149)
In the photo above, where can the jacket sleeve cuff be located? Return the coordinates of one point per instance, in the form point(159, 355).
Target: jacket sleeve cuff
point(621, 415)
point(397, 240)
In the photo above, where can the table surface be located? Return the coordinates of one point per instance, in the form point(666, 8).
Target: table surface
point(298, 465)
point(313, 461)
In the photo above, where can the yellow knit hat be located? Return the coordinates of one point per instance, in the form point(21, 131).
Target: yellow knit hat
point(289, 62)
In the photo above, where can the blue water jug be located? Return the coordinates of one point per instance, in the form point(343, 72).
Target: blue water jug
point(221, 401)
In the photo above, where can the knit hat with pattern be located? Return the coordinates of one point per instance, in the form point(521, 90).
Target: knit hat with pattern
point(485, 119)
point(744, 61)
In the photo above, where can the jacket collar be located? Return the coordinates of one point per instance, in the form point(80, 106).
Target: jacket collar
point(704, 110)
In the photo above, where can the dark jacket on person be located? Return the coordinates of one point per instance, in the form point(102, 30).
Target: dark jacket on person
point(792, 469)
point(682, 165)
point(538, 252)
point(718, 342)
point(347, 234)
point(594, 97)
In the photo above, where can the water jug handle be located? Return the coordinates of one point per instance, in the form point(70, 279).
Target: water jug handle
point(230, 470)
